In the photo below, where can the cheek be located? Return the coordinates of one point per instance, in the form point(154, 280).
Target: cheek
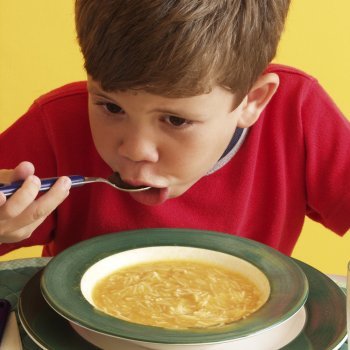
point(194, 157)
point(102, 137)
point(217, 139)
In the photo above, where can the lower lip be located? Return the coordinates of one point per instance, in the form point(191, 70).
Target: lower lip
point(153, 196)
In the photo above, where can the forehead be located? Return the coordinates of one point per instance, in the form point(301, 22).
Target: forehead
point(215, 96)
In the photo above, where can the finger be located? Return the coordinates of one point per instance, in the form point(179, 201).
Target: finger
point(2, 199)
point(44, 205)
point(38, 209)
point(6, 175)
point(23, 170)
point(21, 233)
point(22, 226)
point(21, 199)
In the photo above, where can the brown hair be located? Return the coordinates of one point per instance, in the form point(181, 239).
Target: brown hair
point(178, 48)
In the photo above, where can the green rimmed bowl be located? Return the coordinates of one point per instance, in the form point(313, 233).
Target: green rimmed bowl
point(65, 286)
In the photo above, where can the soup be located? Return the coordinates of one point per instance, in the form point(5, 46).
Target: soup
point(177, 294)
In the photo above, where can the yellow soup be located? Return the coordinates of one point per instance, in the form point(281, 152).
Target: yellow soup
point(177, 294)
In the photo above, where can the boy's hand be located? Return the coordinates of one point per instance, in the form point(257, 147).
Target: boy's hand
point(21, 214)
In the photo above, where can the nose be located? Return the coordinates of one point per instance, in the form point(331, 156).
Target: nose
point(139, 145)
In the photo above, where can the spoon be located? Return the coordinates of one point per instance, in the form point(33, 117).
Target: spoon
point(77, 180)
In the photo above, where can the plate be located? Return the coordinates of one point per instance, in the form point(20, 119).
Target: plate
point(325, 328)
point(289, 286)
point(271, 339)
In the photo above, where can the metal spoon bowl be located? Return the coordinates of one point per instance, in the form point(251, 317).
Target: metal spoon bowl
point(116, 181)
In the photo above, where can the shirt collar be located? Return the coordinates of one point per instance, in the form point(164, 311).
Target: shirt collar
point(233, 147)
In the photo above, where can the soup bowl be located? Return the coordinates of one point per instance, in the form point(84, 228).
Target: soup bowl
point(69, 280)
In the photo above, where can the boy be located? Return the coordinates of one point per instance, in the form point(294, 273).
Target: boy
point(180, 96)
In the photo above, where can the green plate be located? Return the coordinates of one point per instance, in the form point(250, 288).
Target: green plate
point(44, 326)
point(325, 328)
point(60, 284)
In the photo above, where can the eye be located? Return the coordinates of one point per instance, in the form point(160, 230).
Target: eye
point(113, 108)
point(177, 121)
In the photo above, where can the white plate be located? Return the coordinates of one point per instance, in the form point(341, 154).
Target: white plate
point(325, 328)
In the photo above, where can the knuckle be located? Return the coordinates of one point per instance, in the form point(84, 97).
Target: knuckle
point(7, 212)
point(8, 236)
point(32, 191)
point(39, 212)
point(21, 234)
point(3, 231)
point(24, 233)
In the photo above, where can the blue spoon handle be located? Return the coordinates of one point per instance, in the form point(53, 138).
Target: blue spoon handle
point(46, 184)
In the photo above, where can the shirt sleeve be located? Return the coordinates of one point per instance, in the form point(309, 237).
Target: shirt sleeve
point(327, 144)
point(27, 139)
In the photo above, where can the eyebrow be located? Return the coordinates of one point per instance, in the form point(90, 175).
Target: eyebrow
point(95, 91)
point(180, 113)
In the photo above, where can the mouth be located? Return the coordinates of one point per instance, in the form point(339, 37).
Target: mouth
point(142, 192)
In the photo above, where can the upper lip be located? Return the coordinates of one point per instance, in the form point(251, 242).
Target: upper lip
point(139, 183)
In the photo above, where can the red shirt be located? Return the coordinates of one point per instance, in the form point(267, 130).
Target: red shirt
point(294, 161)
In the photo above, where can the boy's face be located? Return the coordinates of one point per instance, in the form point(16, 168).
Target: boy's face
point(165, 143)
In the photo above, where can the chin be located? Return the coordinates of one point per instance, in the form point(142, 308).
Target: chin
point(177, 191)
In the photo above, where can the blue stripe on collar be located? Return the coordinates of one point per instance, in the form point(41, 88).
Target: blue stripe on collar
point(235, 138)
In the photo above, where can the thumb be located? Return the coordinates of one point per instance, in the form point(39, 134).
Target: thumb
point(21, 172)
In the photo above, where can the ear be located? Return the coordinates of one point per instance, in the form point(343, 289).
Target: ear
point(257, 99)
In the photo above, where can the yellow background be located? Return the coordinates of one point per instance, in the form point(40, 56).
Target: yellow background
point(38, 52)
